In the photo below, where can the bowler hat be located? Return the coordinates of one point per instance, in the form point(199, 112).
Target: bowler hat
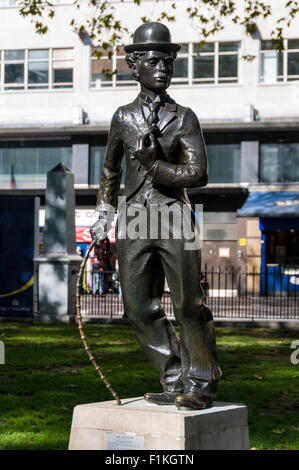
point(152, 36)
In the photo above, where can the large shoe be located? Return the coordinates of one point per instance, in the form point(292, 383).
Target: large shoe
point(192, 401)
point(166, 398)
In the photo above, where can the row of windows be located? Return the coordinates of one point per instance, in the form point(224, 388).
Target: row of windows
point(26, 166)
point(216, 62)
point(278, 163)
point(36, 69)
point(211, 63)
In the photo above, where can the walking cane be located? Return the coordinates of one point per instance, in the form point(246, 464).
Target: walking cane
point(80, 325)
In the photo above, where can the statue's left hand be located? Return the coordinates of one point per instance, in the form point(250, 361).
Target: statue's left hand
point(99, 230)
point(146, 152)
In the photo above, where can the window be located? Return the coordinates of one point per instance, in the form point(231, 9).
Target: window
point(101, 68)
point(110, 69)
point(209, 63)
point(37, 69)
point(216, 62)
point(292, 57)
point(14, 69)
point(62, 68)
point(123, 75)
point(271, 63)
point(204, 63)
point(181, 66)
point(228, 58)
point(279, 162)
point(279, 66)
point(224, 163)
point(97, 158)
point(25, 165)
point(96, 162)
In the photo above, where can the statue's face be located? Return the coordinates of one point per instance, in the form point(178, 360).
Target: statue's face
point(155, 70)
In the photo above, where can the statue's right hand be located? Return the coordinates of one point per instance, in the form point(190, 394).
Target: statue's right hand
point(98, 231)
point(146, 152)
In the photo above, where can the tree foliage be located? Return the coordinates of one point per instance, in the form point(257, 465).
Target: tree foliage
point(105, 29)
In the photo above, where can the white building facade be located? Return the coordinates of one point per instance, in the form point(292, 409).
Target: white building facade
point(56, 104)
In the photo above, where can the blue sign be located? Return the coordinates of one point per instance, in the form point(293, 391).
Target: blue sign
point(271, 204)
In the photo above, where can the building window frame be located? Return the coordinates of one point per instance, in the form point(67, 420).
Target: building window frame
point(8, 62)
point(112, 59)
point(283, 170)
point(24, 163)
point(188, 54)
point(49, 85)
point(283, 77)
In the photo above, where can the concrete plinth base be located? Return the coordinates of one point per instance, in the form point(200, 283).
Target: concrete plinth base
point(139, 425)
point(56, 276)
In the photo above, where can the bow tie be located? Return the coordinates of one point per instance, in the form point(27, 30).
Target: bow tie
point(146, 99)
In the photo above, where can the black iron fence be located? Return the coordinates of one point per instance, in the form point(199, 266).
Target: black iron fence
point(229, 292)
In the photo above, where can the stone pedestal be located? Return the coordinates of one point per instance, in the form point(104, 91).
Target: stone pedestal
point(137, 425)
point(56, 279)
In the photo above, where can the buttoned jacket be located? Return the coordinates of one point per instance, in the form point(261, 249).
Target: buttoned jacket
point(181, 162)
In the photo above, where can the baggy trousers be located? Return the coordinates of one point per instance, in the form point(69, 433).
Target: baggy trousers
point(187, 363)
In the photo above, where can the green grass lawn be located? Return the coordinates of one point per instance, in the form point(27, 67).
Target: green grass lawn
point(47, 373)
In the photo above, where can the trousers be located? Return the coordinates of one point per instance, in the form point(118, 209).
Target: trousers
point(187, 363)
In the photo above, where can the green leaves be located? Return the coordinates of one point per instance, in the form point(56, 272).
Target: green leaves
point(103, 25)
point(40, 9)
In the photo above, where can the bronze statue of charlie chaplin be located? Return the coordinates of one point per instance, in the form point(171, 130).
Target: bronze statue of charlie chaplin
point(165, 153)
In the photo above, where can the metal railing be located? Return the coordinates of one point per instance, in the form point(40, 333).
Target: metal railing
point(229, 292)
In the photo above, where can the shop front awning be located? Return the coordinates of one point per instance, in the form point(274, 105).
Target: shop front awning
point(271, 204)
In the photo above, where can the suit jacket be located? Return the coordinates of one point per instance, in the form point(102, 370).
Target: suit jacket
point(182, 161)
